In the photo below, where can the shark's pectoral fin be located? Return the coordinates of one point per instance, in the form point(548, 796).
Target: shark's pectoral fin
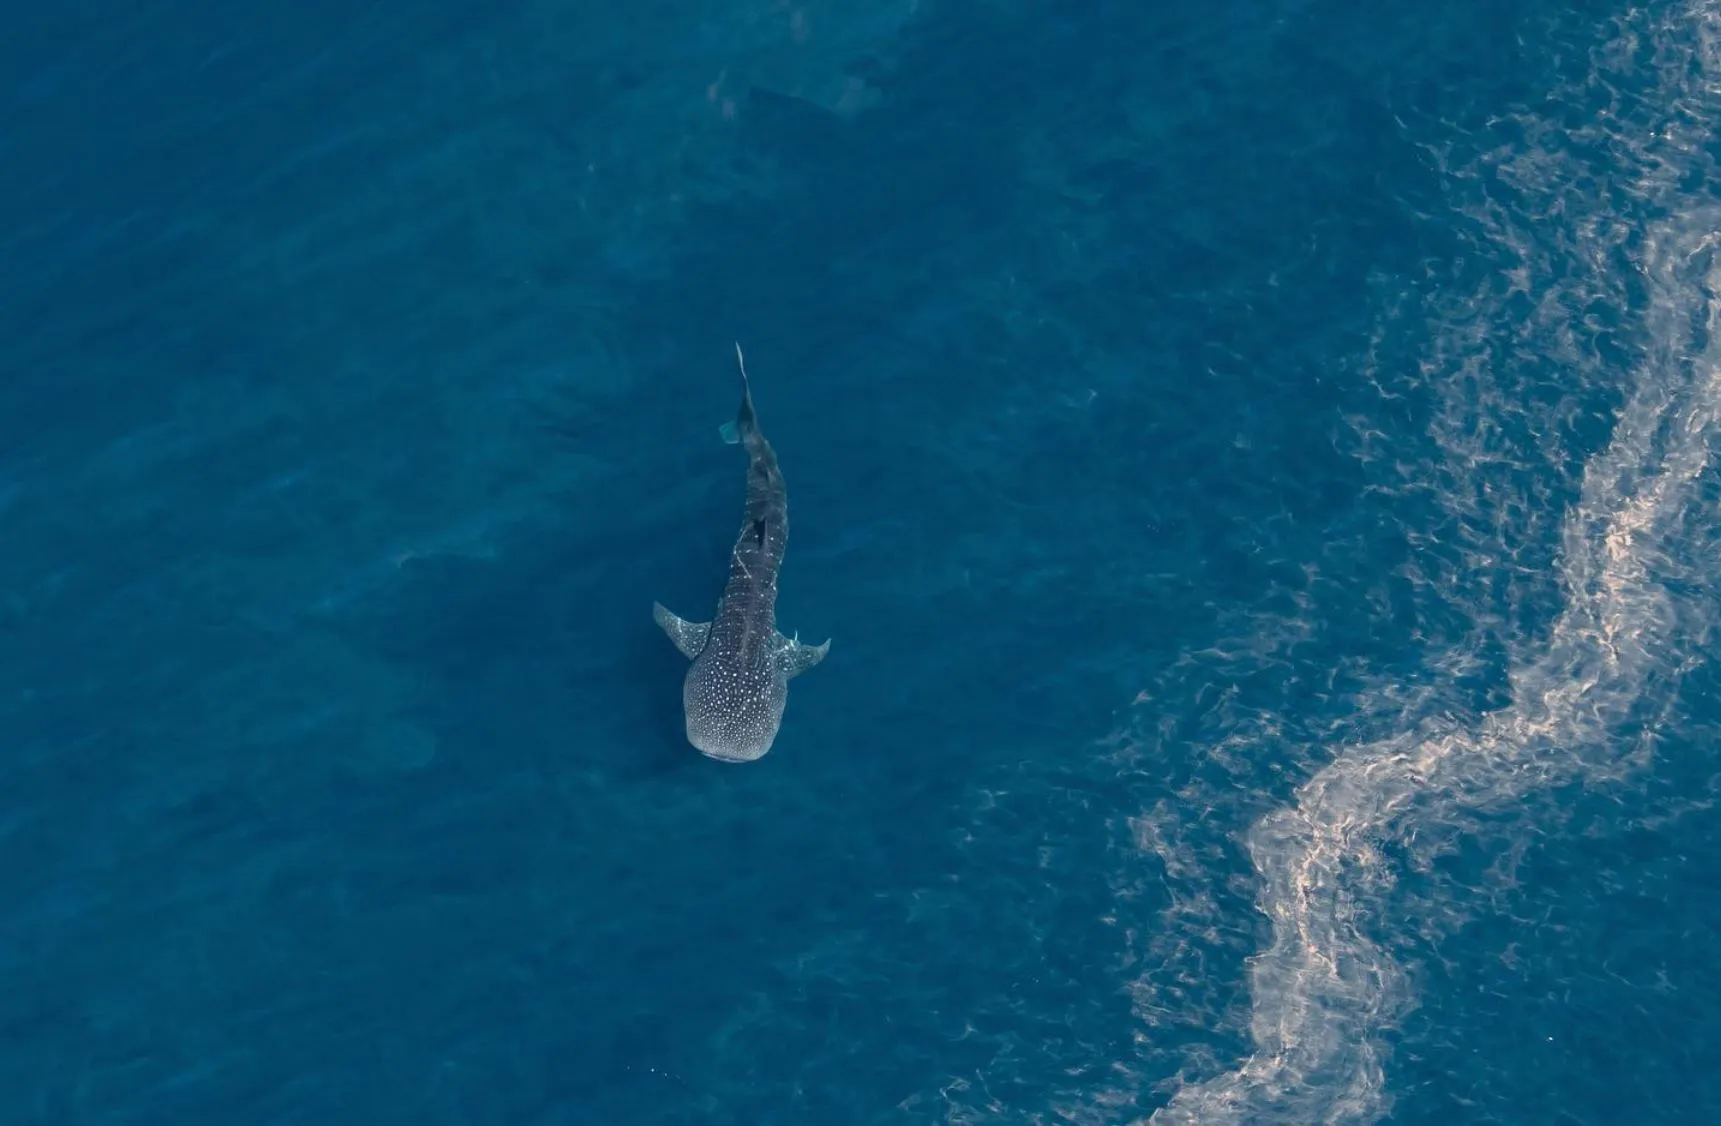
point(689, 637)
point(796, 657)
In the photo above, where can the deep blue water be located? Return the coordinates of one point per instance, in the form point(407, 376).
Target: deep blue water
point(1252, 461)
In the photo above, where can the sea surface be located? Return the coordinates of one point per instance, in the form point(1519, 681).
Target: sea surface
point(1256, 464)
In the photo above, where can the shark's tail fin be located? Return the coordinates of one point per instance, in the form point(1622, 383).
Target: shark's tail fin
point(746, 422)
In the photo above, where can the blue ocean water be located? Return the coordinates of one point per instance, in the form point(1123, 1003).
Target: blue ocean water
point(1254, 463)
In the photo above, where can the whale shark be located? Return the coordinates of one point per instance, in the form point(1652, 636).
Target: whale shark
point(738, 684)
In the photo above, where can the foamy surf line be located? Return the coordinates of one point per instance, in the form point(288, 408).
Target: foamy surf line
point(1323, 990)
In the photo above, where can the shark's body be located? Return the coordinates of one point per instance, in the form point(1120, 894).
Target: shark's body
point(738, 684)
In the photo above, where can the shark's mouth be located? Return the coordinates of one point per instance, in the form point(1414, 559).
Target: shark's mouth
point(727, 755)
point(714, 746)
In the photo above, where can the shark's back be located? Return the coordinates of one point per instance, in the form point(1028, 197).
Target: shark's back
point(734, 696)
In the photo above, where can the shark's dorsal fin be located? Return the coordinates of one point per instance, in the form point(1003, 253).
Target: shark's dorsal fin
point(689, 637)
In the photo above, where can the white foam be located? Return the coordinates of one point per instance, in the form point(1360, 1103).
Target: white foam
point(1323, 990)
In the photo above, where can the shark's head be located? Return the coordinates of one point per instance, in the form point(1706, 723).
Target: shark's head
point(733, 711)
